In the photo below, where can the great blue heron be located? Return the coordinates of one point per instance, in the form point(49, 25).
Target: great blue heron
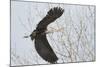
point(39, 34)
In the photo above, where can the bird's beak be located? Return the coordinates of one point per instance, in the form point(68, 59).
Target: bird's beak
point(26, 36)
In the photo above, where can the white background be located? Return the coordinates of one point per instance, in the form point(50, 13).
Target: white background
point(5, 33)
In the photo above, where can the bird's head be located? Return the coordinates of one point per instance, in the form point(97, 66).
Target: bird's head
point(32, 35)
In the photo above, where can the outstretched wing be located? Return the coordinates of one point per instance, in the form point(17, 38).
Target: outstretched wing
point(41, 43)
point(44, 49)
point(51, 16)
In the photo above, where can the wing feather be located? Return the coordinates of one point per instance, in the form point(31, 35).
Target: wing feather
point(44, 49)
point(51, 16)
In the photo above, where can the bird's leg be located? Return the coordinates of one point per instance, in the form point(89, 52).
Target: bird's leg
point(54, 30)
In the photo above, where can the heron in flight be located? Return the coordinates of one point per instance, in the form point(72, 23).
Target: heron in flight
point(42, 45)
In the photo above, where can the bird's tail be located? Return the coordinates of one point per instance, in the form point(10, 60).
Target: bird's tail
point(56, 12)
